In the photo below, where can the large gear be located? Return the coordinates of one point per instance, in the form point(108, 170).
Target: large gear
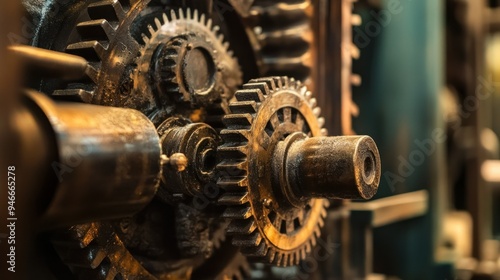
point(125, 72)
point(283, 37)
point(265, 225)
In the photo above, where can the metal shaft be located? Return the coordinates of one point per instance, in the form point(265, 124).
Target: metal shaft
point(50, 64)
point(344, 167)
point(106, 164)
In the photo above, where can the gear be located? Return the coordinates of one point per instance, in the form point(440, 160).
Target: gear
point(284, 37)
point(125, 72)
point(266, 224)
point(193, 69)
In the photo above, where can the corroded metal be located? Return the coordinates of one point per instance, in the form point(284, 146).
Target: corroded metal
point(277, 166)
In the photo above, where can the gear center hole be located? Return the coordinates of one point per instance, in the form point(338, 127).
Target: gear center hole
point(369, 169)
point(209, 161)
point(199, 71)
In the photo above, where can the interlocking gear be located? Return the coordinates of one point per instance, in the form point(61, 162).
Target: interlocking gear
point(190, 66)
point(154, 76)
point(264, 223)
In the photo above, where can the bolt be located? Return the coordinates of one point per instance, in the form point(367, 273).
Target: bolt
point(178, 161)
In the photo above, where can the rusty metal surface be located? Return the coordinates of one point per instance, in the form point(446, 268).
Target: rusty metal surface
point(276, 209)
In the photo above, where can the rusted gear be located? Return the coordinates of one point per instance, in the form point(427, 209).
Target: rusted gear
point(265, 225)
point(190, 66)
point(283, 37)
point(121, 75)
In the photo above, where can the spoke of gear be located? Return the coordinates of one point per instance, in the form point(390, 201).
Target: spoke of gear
point(264, 225)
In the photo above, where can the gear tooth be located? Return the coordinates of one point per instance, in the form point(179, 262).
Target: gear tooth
point(278, 259)
point(233, 150)
point(355, 52)
point(297, 258)
point(308, 247)
point(326, 203)
point(259, 251)
point(243, 107)
point(232, 199)
point(195, 15)
point(236, 167)
point(242, 212)
point(252, 240)
point(308, 95)
point(79, 95)
point(151, 30)
point(313, 102)
point(233, 184)
point(238, 121)
point(85, 233)
point(356, 80)
point(317, 111)
point(303, 254)
point(270, 256)
point(220, 37)
point(173, 16)
point(271, 85)
point(262, 86)
point(242, 226)
point(321, 121)
point(215, 30)
point(108, 9)
point(249, 95)
point(188, 14)
point(181, 14)
point(92, 51)
point(324, 132)
point(165, 18)
point(321, 223)
point(209, 24)
point(313, 241)
point(158, 23)
point(99, 30)
point(356, 20)
point(235, 136)
point(145, 38)
point(284, 82)
point(225, 45)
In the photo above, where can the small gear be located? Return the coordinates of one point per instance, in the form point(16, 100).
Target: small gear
point(189, 65)
point(265, 224)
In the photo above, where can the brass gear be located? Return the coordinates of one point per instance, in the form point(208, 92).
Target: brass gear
point(264, 224)
point(98, 250)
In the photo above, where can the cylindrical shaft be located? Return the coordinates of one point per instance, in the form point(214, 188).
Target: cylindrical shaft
point(344, 167)
point(107, 162)
point(50, 64)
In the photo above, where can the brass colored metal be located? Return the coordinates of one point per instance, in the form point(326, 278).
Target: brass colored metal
point(184, 140)
point(108, 161)
point(50, 64)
